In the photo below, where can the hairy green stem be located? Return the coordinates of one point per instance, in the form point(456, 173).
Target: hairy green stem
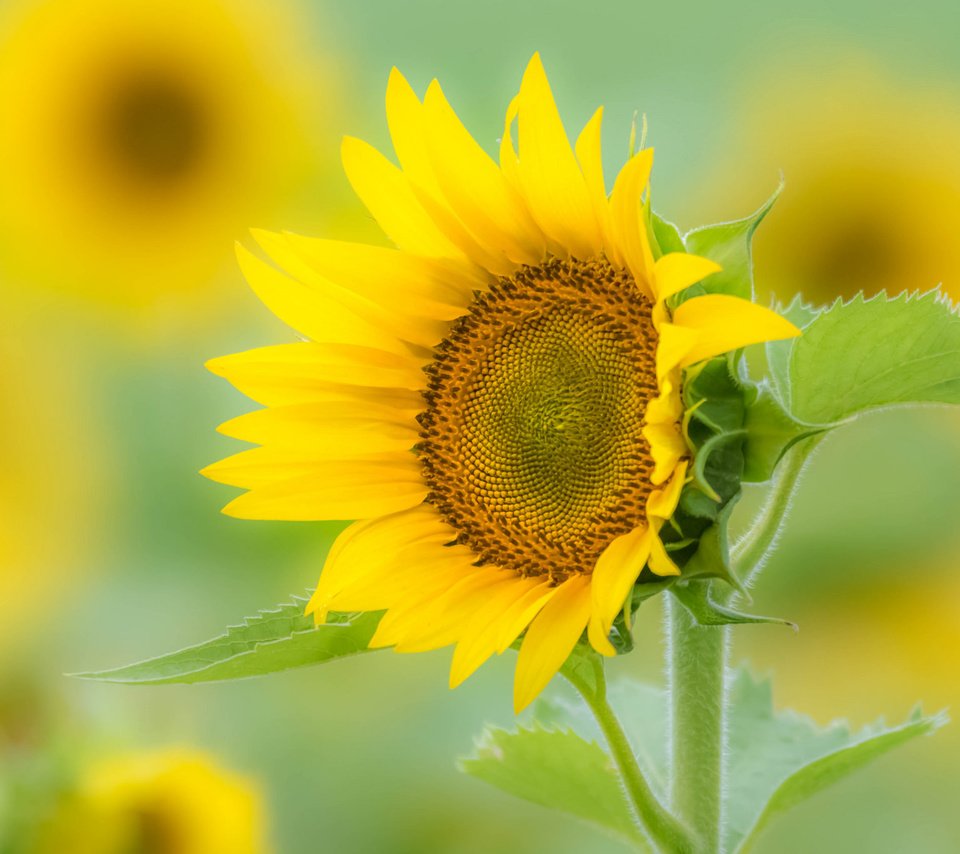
point(749, 554)
point(697, 665)
point(659, 827)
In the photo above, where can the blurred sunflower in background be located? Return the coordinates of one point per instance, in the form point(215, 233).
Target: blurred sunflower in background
point(140, 138)
point(172, 801)
point(49, 493)
point(872, 198)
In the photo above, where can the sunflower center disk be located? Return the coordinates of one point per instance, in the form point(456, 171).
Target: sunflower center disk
point(531, 441)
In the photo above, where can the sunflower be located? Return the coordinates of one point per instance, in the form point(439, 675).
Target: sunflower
point(163, 802)
point(498, 399)
point(131, 162)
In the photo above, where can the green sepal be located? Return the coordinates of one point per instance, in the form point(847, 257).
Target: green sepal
point(712, 556)
point(647, 586)
point(714, 397)
point(715, 460)
point(729, 244)
point(713, 394)
point(272, 641)
point(696, 596)
point(665, 236)
point(584, 667)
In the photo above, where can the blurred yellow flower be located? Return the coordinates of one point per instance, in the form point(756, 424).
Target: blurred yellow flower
point(53, 482)
point(498, 398)
point(164, 802)
point(138, 139)
point(872, 197)
point(900, 642)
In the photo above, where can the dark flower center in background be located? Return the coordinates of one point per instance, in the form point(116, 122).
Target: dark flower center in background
point(154, 128)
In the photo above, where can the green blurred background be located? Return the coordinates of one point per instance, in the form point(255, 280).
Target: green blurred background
point(118, 283)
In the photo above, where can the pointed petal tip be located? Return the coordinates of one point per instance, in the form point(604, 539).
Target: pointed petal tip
point(600, 639)
point(216, 365)
point(233, 510)
point(458, 675)
point(521, 699)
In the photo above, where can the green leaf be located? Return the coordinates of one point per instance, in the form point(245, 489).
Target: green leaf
point(778, 760)
point(728, 244)
point(271, 641)
point(870, 353)
point(777, 353)
point(558, 769)
point(771, 432)
point(696, 596)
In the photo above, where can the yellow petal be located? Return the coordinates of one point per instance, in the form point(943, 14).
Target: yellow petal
point(599, 636)
point(678, 270)
point(673, 345)
point(552, 181)
point(616, 571)
point(727, 323)
point(333, 395)
point(660, 562)
point(314, 314)
point(475, 187)
point(411, 138)
point(291, 372)
point(480, 634)
point(258, 467)
point(437, 288)
point(334, 489)
point(421, 572)
point(518, 616)
point(447, 626)
point(391, 200)
point(327, 430)
point(551, 638)
point(407, 132)
point(629, 225)
point(398, 319)
point(667, 447)
point(590, 156)
point(427, 609)
point(666, 407)
point(365, 546)
point(663, 502)
point(509, 162)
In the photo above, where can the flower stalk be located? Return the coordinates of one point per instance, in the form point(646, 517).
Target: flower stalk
point(751, 552)
point(658, 827)
point(696, 669)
